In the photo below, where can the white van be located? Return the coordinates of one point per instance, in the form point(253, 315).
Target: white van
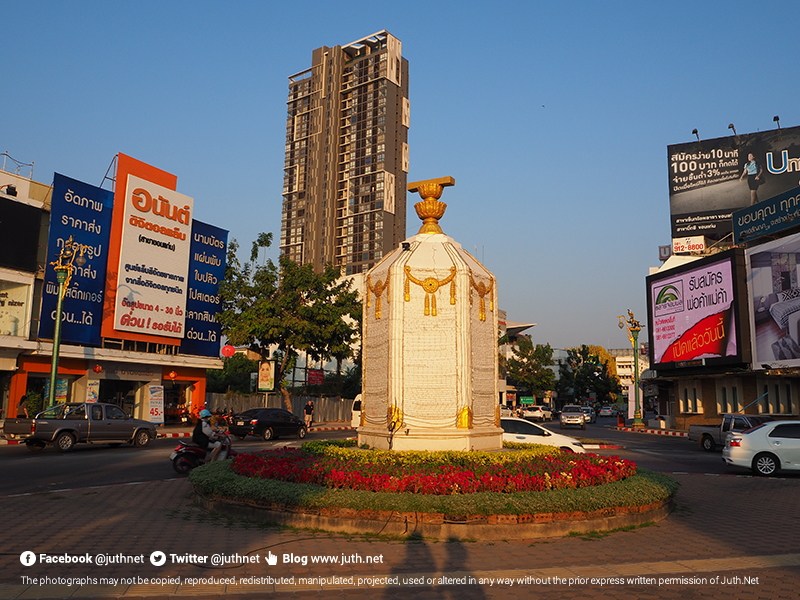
point(355, 418)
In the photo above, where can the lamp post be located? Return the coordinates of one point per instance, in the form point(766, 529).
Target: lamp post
point(71, 254)
point(634, 327)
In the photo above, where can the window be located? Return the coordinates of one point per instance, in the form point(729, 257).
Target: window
point(115, 413)
point(690, 400)
point(77, 413)
point(791, 431)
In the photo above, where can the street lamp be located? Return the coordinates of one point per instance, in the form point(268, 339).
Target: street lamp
point(634, 327)
point(70, 256)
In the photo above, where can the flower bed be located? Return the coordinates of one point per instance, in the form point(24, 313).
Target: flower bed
point(435, 473)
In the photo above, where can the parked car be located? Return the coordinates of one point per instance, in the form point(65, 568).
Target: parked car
point(712, 436)
point(355, 413)
point(571, 414)
point(267, 423)
point(589, 412)
point(68, 424)
point(766, 448)
point(607, 411)
point(538, 413)
point(525, 432)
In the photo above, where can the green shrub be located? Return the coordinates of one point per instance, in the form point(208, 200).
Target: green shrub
point(646, 487)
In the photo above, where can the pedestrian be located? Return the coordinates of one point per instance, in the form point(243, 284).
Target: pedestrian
point(22, 408)
point(309, 413)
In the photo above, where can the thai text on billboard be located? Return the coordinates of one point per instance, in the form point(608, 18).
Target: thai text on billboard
point(693, 314)
point(154, 260)
point(206, 271)
point(82, 212)
point(711, 179)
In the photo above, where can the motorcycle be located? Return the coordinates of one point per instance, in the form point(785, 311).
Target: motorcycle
point(188, 455)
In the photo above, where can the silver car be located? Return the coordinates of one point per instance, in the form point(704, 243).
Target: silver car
point(766, 448)
point(572, 415)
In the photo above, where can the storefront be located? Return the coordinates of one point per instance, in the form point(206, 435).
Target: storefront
point(130, 381)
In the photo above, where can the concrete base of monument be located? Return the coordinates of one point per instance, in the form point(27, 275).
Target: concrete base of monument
point(440, 526)
point(416, 438)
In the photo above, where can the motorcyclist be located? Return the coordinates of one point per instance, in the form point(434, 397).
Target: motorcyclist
point(205, 436)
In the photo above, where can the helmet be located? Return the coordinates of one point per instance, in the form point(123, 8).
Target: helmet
point(205, 413)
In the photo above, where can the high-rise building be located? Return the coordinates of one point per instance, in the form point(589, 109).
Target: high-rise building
point(344, 187)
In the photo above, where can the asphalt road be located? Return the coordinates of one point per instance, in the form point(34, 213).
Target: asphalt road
point(23, 471)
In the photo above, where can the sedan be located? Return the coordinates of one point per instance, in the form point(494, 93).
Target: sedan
point(267, 423)
point(766, 448)
point(525, 432)
point(589, 412)
point(607, 411)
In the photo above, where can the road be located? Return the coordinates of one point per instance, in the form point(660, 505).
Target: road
point(698, 551)
point(24, 472)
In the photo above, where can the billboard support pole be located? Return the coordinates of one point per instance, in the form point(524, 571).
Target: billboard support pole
point(634, 327)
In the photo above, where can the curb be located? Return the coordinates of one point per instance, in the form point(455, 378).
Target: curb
point(440, 526)
point(667, 432)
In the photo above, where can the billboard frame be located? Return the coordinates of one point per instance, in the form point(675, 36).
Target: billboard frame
point(741, 314)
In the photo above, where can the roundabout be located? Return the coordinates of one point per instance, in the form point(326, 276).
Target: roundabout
point(520, 493)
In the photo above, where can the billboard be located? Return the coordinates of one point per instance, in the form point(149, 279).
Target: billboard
point(773, 282)
point(709, 180)
point(694, 313)
point(768, 217)
point(154, 260)
point(82, 212)
point(111, 316)
point(206, 271)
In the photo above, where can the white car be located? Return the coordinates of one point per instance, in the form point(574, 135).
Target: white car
point(766, 448)
point(538, 413)
point(588, 411)
point(606, 411)
point(355, 415)
point(525, 432)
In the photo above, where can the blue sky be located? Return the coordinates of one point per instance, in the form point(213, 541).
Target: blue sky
point(553, 118)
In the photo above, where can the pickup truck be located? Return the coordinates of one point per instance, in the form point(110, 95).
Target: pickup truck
point(711, 436)
point(67, 424)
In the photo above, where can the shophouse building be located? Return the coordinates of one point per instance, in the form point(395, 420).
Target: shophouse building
point(145, 373)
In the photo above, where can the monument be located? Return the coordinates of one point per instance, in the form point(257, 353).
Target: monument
point(430, 342)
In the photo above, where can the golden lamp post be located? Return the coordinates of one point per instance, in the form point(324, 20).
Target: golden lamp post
point(70, 256)
point(634, 327)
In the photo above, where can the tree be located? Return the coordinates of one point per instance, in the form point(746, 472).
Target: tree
point(589, 369)
point(529, 366)
point(292, 310)
point(234, 376)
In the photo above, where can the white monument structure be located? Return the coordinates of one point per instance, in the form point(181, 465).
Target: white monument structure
point(430, 342)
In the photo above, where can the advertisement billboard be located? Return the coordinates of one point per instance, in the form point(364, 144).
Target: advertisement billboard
point(773, 282)
point(154, 260)
point(694, 313)
point(129, 166)
point(15, 302)
point(768, 217)
point(82, 212)
point(206, 271)
point(709, 180)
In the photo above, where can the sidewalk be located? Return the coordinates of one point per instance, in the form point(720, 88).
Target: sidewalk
point(699, 550)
